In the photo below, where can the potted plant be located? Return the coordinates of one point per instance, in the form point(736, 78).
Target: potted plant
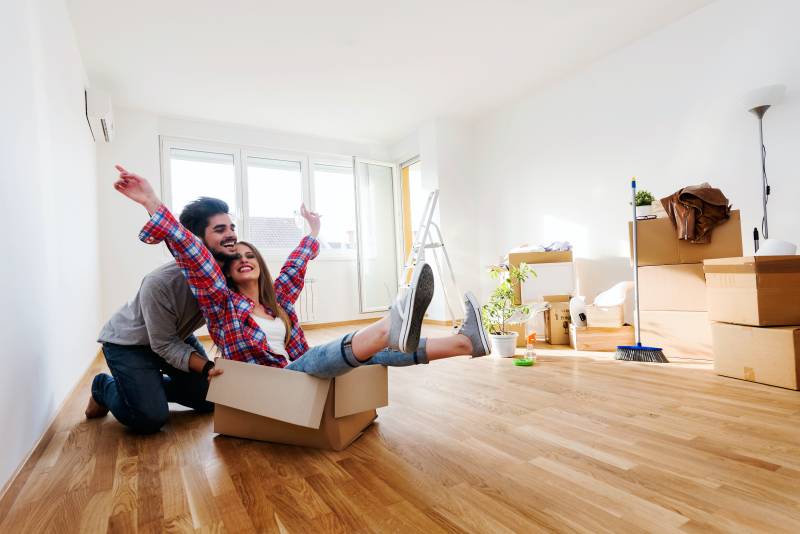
point(501, 308)
point(644, 203)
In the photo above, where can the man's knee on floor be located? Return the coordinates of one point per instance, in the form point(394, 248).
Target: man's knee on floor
point(149, 422)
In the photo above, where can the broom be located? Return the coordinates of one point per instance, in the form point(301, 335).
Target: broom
point(638, 353)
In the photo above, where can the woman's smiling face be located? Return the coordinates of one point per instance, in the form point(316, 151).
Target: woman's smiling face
point(244, 268)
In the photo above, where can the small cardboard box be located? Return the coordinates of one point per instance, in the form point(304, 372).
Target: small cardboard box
point(599, 339)
point(522, 334)
point(681, 334)
point(679, 287)
point(764, 355)
point(755, 290)
point(659, 243)
point(284, 406)
point(605, 317)
point(557, 319)
point(558, 278)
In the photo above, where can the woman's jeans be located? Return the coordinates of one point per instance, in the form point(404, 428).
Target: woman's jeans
point(143, 384)
point(336, 358)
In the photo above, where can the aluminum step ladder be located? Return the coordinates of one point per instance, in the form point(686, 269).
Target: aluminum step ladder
point(429, 237)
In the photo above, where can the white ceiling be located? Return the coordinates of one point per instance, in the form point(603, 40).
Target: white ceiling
point(348, 69)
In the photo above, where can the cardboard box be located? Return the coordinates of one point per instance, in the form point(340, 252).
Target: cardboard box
point(681, 334)
point(557, 320)
point(764, 355)
point(755, 290)
point(554, 274)
point(522, 333)
point(599, 339)
point(605, 317)
point(659, 243)
point(679, 287)
point(284, 406)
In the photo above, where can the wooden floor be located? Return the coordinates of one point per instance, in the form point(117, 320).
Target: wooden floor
point(576, 443)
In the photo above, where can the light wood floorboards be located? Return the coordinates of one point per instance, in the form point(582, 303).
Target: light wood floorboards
point(576, 443)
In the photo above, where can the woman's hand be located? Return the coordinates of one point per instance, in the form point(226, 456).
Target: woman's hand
point(137, 189)
point(313, 219)
point(214, 372)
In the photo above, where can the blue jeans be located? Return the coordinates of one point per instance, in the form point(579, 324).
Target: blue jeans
point(142, 385)
point(336, 358)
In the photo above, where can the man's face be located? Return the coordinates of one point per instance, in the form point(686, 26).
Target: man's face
point(220, 236)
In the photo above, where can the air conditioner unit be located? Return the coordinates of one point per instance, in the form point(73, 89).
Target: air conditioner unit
point(100, 114)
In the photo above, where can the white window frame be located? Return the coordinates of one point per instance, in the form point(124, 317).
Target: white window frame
point(240, 154)
point(335, 161)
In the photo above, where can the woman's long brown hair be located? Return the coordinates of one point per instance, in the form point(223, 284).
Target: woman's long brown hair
point(266, 289)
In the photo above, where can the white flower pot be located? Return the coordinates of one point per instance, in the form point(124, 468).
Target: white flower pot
point(644, 211)
point(504, 345)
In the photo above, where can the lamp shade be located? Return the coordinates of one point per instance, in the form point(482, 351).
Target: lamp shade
point(768, 95)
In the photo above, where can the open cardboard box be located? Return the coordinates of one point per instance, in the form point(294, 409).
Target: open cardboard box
point(284, 406)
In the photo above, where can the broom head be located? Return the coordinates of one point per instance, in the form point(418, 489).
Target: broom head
point(638, 353)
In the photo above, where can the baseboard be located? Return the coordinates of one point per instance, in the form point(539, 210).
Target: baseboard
point(44, 439)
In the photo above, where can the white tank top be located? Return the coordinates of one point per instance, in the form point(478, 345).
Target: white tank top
point(275, 330)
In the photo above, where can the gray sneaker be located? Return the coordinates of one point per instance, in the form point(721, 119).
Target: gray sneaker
point(409, 310)
point(473, 326)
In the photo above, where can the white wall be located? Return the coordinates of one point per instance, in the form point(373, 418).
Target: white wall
point(444, 146)
point(668, 109)
point(136, 145)
point(49, 272)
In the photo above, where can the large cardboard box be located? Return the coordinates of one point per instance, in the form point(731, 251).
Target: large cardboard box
point(764, 355)
point(681, 334)
point(679, 287)
point(755, 290)
point(284, 406)
point(599, 339)
point(555, 274)
point(659, 243)
point(557, 320)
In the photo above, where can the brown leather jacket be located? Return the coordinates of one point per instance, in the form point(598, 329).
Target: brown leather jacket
point(696, 210)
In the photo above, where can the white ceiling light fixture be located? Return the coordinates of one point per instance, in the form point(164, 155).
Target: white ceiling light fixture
point(758, 102)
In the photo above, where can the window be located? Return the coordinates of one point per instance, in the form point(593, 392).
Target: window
point(334, 197)
point(196, 173)
point(274, 195)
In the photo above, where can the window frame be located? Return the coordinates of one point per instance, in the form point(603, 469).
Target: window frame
point(241, 153)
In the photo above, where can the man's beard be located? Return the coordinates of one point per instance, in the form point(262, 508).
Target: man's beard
point(224, 256)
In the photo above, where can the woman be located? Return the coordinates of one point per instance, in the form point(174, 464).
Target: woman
point(252, 319)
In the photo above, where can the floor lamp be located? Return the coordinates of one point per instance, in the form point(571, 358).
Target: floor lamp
point(758, 102)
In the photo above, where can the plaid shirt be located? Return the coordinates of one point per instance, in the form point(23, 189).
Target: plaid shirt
point(227, 312)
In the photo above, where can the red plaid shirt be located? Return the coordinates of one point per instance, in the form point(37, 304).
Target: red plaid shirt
point(227, 312)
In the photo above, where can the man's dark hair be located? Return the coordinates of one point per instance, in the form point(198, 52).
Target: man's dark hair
point(197, 212)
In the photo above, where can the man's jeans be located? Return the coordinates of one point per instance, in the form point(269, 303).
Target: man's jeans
point(143, 383)
point(336, 358)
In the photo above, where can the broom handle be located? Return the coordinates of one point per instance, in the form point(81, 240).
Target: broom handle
point(635, 266)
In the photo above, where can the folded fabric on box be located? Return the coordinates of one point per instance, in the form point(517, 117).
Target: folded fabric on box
point(696, 210)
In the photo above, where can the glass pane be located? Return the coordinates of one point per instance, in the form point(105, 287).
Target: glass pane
point(335, 200)
point(275, 192)
point(378, 259)
point(195, 174)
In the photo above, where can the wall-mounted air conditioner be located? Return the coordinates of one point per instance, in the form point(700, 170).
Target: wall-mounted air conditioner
point(100, 114)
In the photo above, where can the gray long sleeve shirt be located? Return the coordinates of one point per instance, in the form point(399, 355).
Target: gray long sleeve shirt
point(162, 315)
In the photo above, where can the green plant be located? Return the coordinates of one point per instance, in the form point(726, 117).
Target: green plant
point(501, 307)
point(644, 198)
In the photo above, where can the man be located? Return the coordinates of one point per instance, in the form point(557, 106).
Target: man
point(149, 343)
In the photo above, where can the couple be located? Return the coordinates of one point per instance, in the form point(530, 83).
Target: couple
point(155, 359)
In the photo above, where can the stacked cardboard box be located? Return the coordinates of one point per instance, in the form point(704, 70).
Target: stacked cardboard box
point(755, 303)
point(672, 291)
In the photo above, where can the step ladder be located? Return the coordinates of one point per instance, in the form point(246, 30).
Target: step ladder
point(429, 237)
